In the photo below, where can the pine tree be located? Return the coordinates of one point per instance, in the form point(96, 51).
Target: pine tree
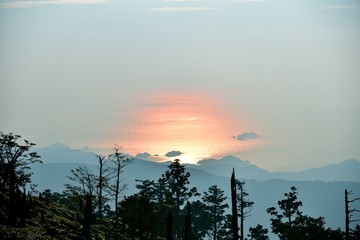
point(169, 226)
point(258, 233)
point(200, 219)
point(174, 184)
point(291, 223)
point(215, 208)
point(188, 222)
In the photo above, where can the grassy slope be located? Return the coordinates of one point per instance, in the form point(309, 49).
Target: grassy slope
point(49, 220)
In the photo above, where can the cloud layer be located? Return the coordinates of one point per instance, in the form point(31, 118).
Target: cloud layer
point(29, 4)
point(180, 9)
point(341, 7)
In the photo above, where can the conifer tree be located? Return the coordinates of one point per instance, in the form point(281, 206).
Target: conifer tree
point(258, 233)
point(291, 223)
point(188, 222)
point(215, 208)
point(175, 182)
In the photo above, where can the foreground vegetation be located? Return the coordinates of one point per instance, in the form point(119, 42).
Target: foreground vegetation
point(91, 208)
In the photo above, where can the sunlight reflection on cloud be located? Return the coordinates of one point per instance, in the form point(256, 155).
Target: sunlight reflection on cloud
point(197, 126)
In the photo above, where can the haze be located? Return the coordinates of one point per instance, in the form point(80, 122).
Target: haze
point(273, 82)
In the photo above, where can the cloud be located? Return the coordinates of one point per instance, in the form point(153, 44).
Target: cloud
point(246, 136)
point(180, 9)
point(29, 4)
point(180, 1)
point(144, 155)
point(173, 154)
point(148, 157)
point(340, 7)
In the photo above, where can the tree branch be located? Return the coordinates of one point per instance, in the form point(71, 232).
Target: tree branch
point(353, 200)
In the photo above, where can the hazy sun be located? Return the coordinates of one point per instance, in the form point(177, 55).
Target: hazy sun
point(197, 126)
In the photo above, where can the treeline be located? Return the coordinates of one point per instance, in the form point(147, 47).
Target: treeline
point(164, 209)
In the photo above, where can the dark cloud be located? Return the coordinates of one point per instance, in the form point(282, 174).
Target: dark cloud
point(246, 136)
point(173, 154)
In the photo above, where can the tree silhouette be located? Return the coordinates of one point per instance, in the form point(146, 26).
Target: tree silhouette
point(215, 208)
point(258, 233)
point(235, 226)
point(290, 223)
point(348, 213)
point(355, 233)
point(15, 159)
point(200, 219)
point(103, 182)
point(139, 215)
point(245, 205)
point(174, 182)
point(289, 210)
point(85, 185)
point(120, 160)
point(188, 235)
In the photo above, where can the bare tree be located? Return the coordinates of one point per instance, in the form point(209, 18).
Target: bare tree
point(348, 213)
point(85, 185)
point(102, 183)
point(120, 160)
point(245, 205)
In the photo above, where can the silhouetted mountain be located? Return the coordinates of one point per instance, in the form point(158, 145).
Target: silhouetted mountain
point(346, 171)
point(53, 175)
point(223, 167)
point(319, 198)
point(60, 153)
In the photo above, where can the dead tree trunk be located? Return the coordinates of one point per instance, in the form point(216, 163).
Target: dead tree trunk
point(348, 212)
point(235, 226)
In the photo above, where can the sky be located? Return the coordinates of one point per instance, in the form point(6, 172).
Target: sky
point(274, 82)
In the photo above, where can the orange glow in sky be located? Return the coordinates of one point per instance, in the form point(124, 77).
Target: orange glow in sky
point(197, 126)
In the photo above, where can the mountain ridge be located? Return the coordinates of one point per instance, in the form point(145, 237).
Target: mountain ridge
point(344, 171)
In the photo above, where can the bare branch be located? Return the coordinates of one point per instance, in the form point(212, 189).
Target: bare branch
point(353, 200)
point(357, 220)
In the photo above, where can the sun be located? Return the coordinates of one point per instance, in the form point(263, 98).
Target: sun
point(196, 125)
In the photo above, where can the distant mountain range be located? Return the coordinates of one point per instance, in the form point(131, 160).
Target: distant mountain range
point(320, 189)
point(348, 170)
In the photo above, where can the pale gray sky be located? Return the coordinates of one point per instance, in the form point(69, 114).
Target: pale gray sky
point(80, 71)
